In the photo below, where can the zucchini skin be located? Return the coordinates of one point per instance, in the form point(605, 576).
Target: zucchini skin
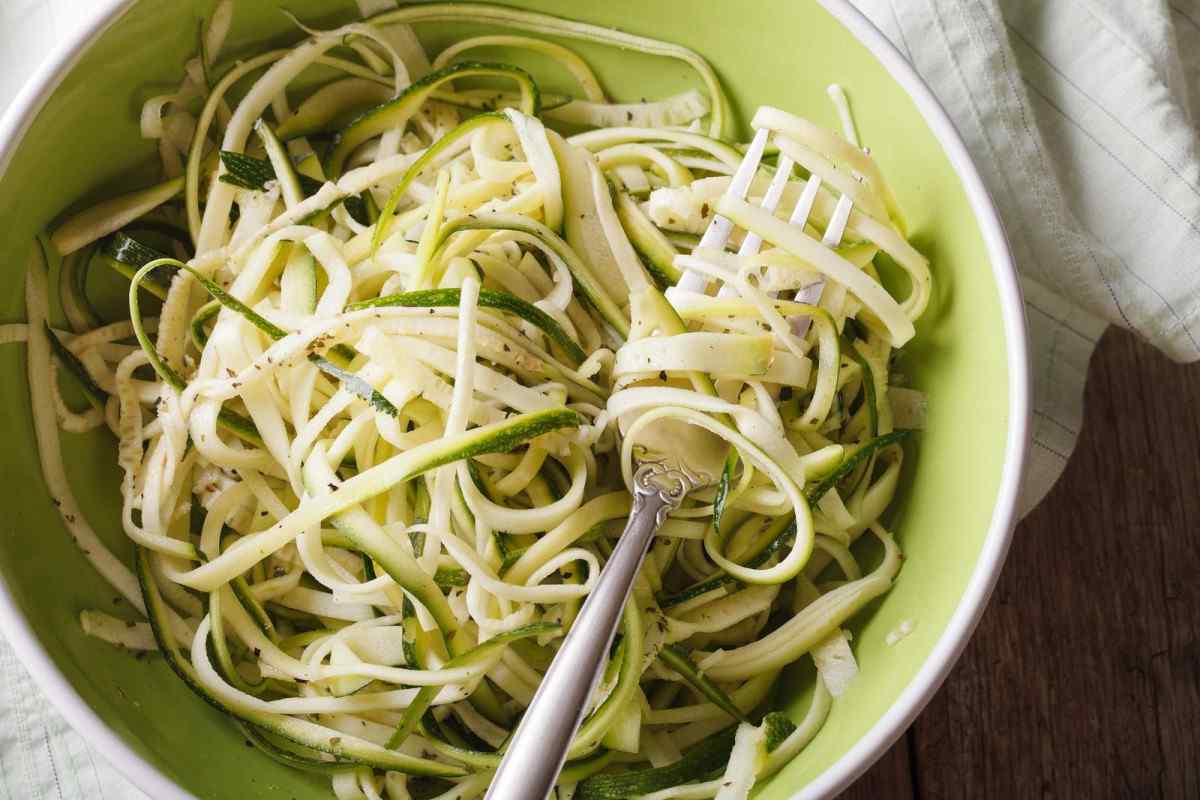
point(396, 113)
point(705, 759)
point(344, 749)
point(248, 172)
point(96, 396)
point(813, 494)
point(586, 285)
point(488, 298)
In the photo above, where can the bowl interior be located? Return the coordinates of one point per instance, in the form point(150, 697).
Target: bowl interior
point(85, 142)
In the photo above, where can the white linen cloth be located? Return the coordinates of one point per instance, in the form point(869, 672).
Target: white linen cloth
point(1080, 116)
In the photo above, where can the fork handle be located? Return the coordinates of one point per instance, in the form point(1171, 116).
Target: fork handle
point(538, 750)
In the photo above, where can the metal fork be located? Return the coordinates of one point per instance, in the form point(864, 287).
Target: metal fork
point(538, 750)
point(720, 229)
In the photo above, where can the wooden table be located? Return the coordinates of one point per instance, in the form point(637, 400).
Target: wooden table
point(1083, 678)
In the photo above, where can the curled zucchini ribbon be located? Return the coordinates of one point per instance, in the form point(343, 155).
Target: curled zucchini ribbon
point(400, 327)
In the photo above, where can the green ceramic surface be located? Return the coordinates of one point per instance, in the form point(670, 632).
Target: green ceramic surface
point(85, 142)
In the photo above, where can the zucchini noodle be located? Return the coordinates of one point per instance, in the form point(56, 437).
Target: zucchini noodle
point(389, 367)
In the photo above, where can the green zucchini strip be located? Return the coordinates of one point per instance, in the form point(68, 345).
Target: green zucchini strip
point(350, 381)
point(248, 172)
point(437, 336)
point(485, 652)
point(814, 493)
point(342, 747)
point(702, 761)
point(499, 437)
point(554, 246)
point(230, 420)
point(675, 658)
point(488, 298)
point(396, 113)
point(442, 148)
point(95, 396)
point(533, 22)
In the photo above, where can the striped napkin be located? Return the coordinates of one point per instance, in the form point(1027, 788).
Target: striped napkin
point(1079, 114)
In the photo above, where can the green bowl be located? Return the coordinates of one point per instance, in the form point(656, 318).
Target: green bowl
point(73, 133)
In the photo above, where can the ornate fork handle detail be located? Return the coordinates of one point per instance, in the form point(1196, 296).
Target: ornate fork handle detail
point(669, 483)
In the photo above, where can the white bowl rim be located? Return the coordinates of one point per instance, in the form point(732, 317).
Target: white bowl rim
point(937, 666)
point(941, 660)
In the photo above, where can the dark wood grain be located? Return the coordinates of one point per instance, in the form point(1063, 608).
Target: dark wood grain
point(890, 776)
point(1083, 680)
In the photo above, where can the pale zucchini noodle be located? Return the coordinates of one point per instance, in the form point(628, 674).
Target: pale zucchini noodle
point(409, 345)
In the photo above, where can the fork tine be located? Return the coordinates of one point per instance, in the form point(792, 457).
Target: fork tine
point(811, 294)
point(837, 222)
point(804, 205)
point(719, 230)
point(717, 234)
point(752, 242)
